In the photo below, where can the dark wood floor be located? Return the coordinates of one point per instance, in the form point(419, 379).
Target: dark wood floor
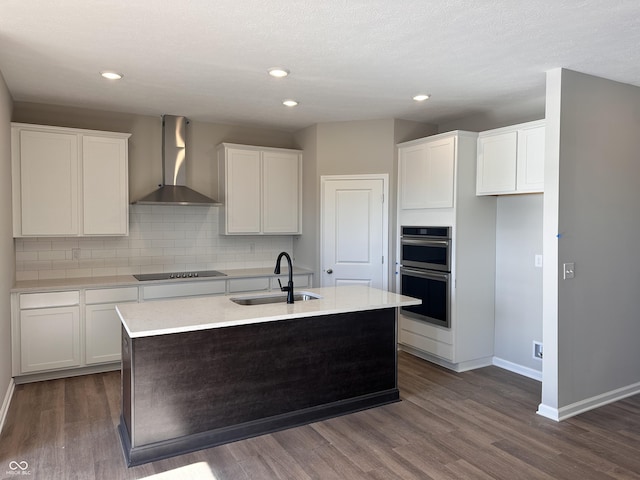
point(475, 425)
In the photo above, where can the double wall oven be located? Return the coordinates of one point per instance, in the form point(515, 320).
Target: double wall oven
point(425, 273)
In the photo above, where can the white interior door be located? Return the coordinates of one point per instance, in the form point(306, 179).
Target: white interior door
point(354, 231)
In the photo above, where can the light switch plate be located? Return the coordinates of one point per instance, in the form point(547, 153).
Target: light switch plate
point(538, 261)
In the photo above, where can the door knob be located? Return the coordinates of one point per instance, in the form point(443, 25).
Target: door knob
point(329, 271)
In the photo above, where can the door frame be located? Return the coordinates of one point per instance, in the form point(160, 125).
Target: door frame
point(385, 217)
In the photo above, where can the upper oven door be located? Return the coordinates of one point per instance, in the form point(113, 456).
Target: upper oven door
point(423, 252)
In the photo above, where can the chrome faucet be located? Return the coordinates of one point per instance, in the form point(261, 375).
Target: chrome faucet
point(289, 287)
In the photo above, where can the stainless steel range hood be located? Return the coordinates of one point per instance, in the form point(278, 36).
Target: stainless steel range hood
point(174, 150)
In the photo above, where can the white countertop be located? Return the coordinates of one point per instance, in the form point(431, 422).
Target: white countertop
point(204, 313)
point(26, 286)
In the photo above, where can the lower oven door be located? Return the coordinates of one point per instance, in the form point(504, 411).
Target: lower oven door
point(433, 288)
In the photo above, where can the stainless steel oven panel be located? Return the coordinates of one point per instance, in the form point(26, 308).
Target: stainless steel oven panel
point(421, 232)
point(414, 312)
point(424, 241)
point(427, 243)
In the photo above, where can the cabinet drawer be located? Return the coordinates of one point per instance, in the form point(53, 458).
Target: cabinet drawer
point(248, 284)
point(443, 350)
point(298, 281)
point(425, 329)
point(190, 289)
point(49, 299)
point(111, 295)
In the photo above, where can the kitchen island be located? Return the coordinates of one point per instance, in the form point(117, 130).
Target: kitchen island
point(204, 371)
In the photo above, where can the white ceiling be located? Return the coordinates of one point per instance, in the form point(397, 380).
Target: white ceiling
point(349, 59)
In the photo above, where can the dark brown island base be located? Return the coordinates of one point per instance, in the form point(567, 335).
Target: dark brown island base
point(294, 364)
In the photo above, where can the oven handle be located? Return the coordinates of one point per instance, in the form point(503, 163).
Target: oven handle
point(424, 273)
point(425, 242)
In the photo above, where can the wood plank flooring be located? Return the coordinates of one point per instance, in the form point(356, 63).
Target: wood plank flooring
point(475, 425)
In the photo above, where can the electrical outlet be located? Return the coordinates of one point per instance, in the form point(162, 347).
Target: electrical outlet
point(538, 261)
point(569, 270)
point(537, 350)
point(75, 253)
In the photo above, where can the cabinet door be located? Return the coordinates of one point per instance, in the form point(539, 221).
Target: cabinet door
point(281, 192)
point(243, 191)
point(49, 338)
point(102, 334)
point(530, 175)
point(48, 183)
point(440, 173)
point(427, 174)
point(496, 164)
point(413, 170)
point(105, 190)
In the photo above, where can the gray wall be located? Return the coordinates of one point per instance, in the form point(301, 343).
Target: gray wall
point(349, 148)
point(307, 245)
point(519, 111)
point(518, 308)
point(7, 254)
point(339, 148)
point(595, 142)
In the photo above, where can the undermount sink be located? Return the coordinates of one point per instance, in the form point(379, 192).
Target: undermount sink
point(277, 298)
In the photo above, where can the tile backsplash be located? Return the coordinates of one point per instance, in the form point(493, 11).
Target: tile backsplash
point(162, 238)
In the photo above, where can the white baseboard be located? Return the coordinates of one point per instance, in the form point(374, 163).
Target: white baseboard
point(71, 372)
point(568, 411)
point(519, 369)
point(5, 404)
point(456, 367)
point(548, 412)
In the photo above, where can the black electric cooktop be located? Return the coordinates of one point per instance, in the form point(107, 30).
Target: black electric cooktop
point(144, 277)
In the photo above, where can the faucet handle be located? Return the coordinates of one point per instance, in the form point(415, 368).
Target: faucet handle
point(281, 287)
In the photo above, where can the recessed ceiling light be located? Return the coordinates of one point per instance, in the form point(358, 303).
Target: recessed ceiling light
point(290, 103)
point(278, 72)
point(112, 75)
point(421, 98)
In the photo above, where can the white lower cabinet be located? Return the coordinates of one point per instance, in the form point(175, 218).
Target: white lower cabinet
point(49, 338)
point(299, 281)
point(427, 338)
point(185, 289)
point(102, 334)
point(58, 334)
point(236, 285)
point(57, 331)
point(102, 324)
point(46, 331)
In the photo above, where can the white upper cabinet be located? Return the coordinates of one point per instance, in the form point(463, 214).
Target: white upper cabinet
point(497, 163)
point(281, 192)
point(105, 189)
point(511, 160)
point(47, 166)
point(261, 190)
point(242, 199)
point(530, 169)
point(69, 182)
point(426, 169)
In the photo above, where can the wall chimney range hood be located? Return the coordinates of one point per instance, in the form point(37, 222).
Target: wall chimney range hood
point(174, 150)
